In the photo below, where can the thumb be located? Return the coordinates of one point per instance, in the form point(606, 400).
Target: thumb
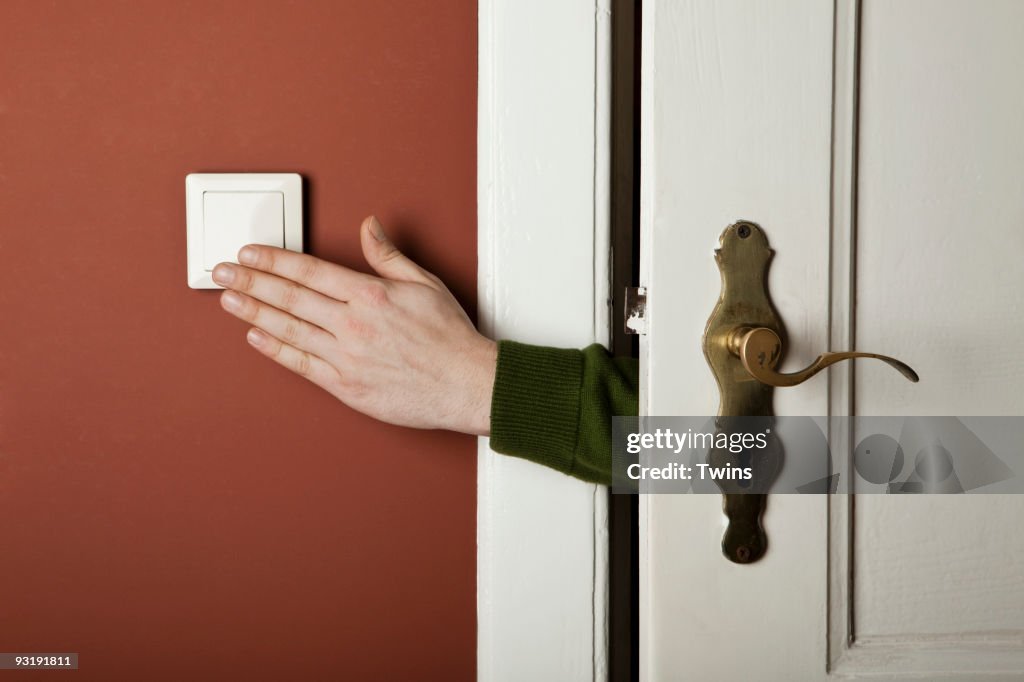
point(386, 259)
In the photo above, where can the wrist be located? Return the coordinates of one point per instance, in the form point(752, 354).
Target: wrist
point(483, 365)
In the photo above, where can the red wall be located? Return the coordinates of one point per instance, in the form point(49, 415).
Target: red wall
point(172, 505)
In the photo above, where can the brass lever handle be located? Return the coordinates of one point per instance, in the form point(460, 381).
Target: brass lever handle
point(742, 342)
point(759, 349)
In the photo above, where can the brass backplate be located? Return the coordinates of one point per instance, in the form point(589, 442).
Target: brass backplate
point(743, 258)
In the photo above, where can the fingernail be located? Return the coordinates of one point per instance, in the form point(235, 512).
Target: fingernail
point(255, 337)
point(223, 274)
point(247, 256)
point(377, 230)
point(231, 301)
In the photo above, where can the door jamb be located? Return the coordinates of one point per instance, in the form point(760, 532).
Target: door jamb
point(543, 229)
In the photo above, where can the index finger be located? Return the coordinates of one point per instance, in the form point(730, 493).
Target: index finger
point(329, 279)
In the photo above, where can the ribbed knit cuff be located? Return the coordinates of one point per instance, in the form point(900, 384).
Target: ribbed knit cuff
point(535, 404)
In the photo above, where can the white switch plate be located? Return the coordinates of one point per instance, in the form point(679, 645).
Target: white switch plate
point(226, 211)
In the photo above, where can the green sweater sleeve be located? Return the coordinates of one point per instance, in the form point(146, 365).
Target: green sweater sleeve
point(554, 406)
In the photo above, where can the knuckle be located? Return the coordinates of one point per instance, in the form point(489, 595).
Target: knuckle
point(303, 364)
point(291, 332)
point(353, 325)
point(375, 292)
point(291, 296)
point(250, 310)
point(247, 279)
point(265, 259)
point(309, 268)
point(273, 348)
point(351, 388)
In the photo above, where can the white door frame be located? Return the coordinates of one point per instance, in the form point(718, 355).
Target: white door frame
point(543, 228)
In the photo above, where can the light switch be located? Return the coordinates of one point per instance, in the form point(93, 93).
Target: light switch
point(232, 219)
point(226, 211)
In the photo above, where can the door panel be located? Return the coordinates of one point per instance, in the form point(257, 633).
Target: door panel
point(941, 206)
point(720, 143)
point(879, 145)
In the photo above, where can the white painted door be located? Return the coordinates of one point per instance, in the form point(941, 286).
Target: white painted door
point(880, 145)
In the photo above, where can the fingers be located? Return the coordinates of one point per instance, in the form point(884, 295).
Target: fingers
point(387, 260)
point(330, 279)
point(283, 294)
point(299, 361)
point(281, 325)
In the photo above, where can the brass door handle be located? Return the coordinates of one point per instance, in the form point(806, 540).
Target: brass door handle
point(743, 341)
point(760, 348)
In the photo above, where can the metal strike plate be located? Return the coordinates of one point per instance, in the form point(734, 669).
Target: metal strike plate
point(635, 322)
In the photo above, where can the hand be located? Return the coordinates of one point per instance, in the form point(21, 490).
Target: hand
point(397, 347)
